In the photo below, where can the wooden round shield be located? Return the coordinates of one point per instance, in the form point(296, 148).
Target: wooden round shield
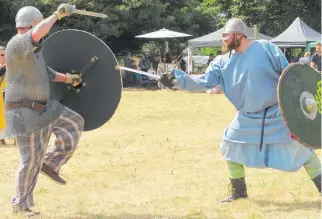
point(76, 51)
point(299, 99)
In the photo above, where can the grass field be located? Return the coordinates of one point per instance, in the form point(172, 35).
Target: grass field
point(158, 158)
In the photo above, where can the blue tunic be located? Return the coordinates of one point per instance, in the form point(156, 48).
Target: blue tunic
point(249, 81)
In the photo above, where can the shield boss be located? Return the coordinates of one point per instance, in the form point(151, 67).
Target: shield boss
point(299, 99)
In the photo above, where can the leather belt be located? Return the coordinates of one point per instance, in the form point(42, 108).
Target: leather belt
point(262, 130)
point(31, 104)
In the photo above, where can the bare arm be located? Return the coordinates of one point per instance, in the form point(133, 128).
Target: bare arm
point(313, 65)
point(68, 78)
point(43, 28)
point(60, 77)
point(56, 76)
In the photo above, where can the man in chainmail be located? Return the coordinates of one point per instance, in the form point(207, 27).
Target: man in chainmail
point(30, 115)
point(257, 136)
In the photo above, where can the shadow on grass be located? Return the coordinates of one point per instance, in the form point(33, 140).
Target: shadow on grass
point(136, 216)
point(8, 146)
point(287, 206)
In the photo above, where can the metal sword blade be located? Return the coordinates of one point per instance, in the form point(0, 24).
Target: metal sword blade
point(90, 13)
point(153, 76)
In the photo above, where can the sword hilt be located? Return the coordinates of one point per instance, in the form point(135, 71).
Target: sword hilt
point(89, 65)
point(82, 73)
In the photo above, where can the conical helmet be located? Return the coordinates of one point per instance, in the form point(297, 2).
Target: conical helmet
point(28, 16)
point(235, 25)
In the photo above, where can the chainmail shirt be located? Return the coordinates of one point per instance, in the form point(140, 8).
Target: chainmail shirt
point(28, 78)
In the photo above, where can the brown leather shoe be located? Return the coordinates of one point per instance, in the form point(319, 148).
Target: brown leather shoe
point(27, 212)
point(52, 174)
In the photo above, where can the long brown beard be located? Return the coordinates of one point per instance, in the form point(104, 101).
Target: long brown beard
point(227, 47)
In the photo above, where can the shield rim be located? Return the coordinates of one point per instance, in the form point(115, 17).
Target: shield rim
point(119, 71)
point(297, 138)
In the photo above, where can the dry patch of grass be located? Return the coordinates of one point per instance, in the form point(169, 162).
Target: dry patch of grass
point(158, 157)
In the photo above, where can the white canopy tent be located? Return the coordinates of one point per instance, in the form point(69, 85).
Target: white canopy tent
point(298, 34)
point(213, 39)
point(163, 34)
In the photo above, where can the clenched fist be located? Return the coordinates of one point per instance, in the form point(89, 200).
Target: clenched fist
point(64, 10)
point(167, 80)
point(73, 79)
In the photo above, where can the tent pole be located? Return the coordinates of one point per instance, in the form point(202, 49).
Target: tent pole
point(255, 32)
point(166, 46)
point(189, 60)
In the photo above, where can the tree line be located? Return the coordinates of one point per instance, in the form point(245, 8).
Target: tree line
point(128, 18)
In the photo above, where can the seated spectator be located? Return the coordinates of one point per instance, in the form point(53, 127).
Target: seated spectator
point(306, 59)
point(211, 57)
point(144, 63)
point(166, 65)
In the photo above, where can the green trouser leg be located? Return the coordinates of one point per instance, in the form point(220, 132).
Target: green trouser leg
point(237, 175)
point(313, 169)
point(236, 171)
point(237, 180)
point(313, 166)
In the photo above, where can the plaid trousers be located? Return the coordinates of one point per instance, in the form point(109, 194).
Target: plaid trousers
point(33, 153)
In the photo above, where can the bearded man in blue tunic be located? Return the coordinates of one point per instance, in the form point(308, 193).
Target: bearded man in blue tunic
point(248, 74)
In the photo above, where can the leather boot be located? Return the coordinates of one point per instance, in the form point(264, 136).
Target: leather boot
point(239, 190)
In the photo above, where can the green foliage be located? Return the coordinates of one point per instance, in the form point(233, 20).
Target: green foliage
point(128, 18)
point(298, 52)
point(209, 50)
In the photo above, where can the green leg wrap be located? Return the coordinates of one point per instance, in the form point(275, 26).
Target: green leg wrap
point(236, 171)
point(313, 166)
